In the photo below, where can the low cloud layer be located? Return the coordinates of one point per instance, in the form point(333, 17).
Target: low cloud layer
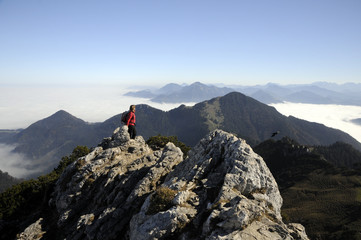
point(22, 106)
point(15, 164)
point(334, 116)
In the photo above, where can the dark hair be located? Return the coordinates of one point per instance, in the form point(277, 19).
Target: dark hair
point(132, 107)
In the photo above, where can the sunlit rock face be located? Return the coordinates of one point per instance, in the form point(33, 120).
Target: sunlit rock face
point(125, 190)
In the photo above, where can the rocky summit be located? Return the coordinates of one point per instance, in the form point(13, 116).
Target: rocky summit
point(125, 190)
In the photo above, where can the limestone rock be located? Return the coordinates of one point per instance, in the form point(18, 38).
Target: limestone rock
point(99, 193)
point(34, 231)
point(222, 190)
point(224, 182)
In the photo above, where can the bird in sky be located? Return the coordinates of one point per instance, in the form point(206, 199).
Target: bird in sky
point(275, 133)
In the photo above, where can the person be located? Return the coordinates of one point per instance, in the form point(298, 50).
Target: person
point(131, 122)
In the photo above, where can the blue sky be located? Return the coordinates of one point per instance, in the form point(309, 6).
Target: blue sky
point(157, 42)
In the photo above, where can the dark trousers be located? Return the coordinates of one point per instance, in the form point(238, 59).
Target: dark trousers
point(132, 132)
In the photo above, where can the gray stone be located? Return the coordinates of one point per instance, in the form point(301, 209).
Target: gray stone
point(34, 231)
point(223, 190)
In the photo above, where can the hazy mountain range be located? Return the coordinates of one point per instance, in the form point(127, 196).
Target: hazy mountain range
point(47, 140)
point(175, 93)
point(316, 93)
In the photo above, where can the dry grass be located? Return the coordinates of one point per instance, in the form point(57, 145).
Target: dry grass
point(161, 200)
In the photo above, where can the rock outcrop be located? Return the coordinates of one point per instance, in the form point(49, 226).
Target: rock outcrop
point(125, 190)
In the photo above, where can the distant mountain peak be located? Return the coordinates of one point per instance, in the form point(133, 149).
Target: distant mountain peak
point(175, 93)
point(196, 92)
point(61, 113)
point(62, 117)
point(198, 84)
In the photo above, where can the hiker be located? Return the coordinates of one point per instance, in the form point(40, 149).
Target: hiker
point(131, 122)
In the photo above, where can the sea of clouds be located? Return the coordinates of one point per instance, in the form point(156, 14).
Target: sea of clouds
point(334, 116)
point(20, 107)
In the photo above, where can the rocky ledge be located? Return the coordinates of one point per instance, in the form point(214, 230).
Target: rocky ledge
point(125, 190)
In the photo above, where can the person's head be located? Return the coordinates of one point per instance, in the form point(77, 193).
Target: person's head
point(132, 108)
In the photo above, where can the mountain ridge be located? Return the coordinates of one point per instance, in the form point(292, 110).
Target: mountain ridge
point(234, 112)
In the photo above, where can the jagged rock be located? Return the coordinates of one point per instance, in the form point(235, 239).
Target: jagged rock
point(119, 138)
point(226, 191)
point(125, 190)
point(99, 193)
point(34, 231)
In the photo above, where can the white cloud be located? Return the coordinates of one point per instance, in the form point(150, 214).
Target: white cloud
point(15, 164)
point(334, 116)
point(20, 107)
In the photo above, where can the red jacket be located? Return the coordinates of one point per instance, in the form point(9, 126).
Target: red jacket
point(131, 119)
